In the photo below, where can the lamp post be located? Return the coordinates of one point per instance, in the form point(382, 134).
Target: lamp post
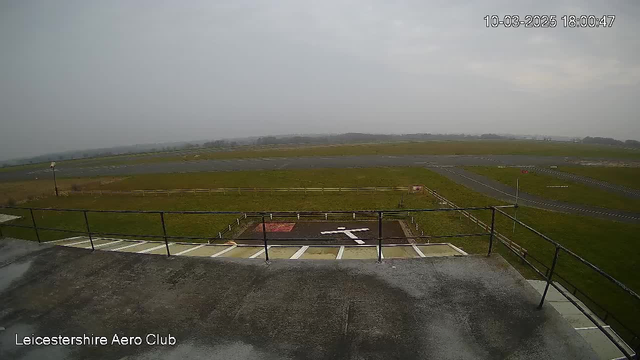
point(53, 170)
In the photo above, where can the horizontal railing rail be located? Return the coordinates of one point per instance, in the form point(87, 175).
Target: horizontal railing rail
point(377, 215)
point(550, 273)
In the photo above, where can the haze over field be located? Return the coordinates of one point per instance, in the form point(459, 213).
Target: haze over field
point(77, 74)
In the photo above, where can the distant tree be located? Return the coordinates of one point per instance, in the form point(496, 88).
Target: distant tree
point(632, 143)
point(601, 141)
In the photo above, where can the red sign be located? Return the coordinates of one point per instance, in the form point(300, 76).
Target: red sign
point(275, 227)
point(525, 171)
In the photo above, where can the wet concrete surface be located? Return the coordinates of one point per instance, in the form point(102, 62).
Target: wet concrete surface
point(500, 191)
point(428, 308)
point(296, 163)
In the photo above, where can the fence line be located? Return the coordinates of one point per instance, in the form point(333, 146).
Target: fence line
point(505, 240)
point(239, 190)
point(490, 230)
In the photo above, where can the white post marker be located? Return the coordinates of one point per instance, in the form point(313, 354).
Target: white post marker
point(349, 233)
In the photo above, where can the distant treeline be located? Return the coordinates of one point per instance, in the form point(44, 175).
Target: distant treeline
point(348, 138)
point(609, 141)
point(351, 138)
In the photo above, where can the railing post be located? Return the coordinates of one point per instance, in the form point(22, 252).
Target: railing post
point(35, 227)
point(553, 265)
point(493, 221)
point(86, 222)
point(164, 232)
point(264, 238)
point(379, 236)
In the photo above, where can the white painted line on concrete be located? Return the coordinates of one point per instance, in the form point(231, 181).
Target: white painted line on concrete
point(458, 249)
point(418, 250)
point(189, 250)
point(71, 238)
point(592, 327)
point(299, 252)
point(153, 248)
point(224, 251)
point(259, 253)
point(128, 246)
point(77, 243)
point(340, 252)
point(105, 244)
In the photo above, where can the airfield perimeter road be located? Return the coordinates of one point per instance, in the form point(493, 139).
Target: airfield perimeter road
point(506, 193)
point(302, 163)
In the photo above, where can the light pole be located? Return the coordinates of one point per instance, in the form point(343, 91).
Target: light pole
point(515, 212)
point(53, 170)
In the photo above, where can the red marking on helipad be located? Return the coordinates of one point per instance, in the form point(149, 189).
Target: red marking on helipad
point(276, 227)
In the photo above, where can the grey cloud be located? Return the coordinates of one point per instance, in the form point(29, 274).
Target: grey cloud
point(78, 74)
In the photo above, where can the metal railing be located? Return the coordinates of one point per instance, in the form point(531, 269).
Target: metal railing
point(549, 274)
point(377, 215)
point(372, 215)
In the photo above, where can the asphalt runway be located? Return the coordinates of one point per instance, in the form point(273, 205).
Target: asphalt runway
point(506, 193)
point(447, 165)
point(296, 163)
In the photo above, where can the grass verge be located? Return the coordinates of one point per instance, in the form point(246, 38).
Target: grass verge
point(625, 176)
point(537, 184)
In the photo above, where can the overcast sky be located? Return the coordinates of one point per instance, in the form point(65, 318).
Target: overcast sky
point(80, 74)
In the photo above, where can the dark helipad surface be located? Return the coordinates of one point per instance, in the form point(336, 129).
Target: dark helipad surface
point(314, 229)
point(427, 308)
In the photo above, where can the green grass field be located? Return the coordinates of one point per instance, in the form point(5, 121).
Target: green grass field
point(625, 176)
point(577, 193)
point(486, 147)
point(476, 147)
point(605, 243)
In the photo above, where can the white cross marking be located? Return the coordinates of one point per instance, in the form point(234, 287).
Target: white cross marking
point(349, 233)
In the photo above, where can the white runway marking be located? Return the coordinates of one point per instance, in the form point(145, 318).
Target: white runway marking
point(259, 253)
point(224, 251)
point(189, 250)
point(152, 249)
point(71, 238)
point(418, 250)
point(105, 244)
point(299, 253)
point(592, 327)
point(458, 249)
point(349, 233)
point(78, 243)
point(128, 246)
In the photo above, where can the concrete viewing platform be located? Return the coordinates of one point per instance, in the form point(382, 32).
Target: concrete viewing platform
point(455, 307)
